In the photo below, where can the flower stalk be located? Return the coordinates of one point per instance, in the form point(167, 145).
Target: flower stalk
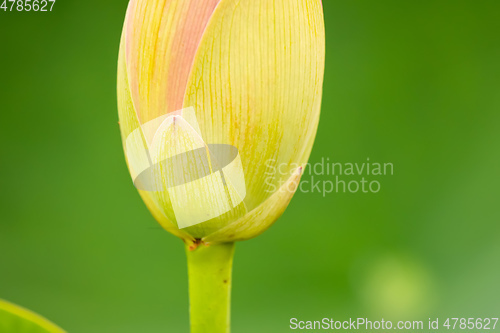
point(209, 271)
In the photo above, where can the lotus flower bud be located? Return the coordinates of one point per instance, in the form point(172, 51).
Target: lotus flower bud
point(219, 104)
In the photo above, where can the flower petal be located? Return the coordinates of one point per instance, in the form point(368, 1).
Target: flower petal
point(256, 84)
point(162, 37)
point(128, 124)
point(194, 192)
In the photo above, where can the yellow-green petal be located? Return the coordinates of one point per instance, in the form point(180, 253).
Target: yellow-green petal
point(193, 194)
point(256, 84)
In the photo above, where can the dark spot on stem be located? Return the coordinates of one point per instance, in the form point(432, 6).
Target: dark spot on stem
point(195, 244)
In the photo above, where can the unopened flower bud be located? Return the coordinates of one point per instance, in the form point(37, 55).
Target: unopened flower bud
point(219, 104)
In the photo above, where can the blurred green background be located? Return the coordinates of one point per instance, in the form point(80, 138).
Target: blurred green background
point(416, 84)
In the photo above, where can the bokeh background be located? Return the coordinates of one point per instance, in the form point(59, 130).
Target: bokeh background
point(413, 83)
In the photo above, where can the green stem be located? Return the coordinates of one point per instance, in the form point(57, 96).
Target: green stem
point(209, 270)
